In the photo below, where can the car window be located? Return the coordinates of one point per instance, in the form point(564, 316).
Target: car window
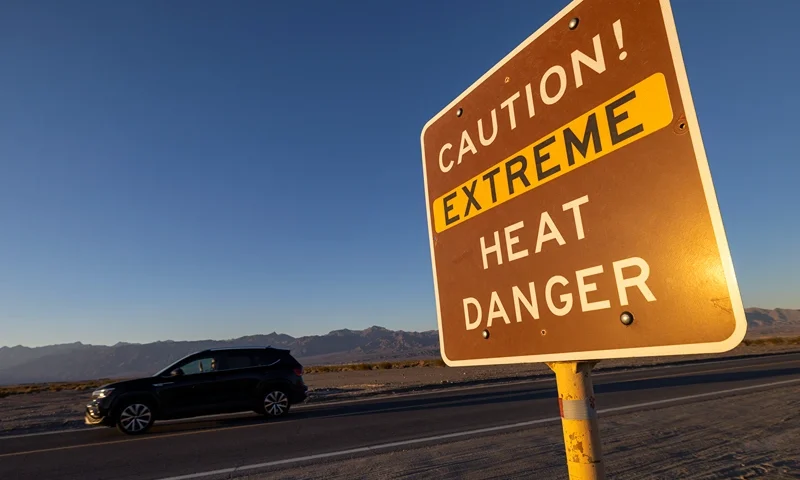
point(199, 365)
point(266, 358)
point(237, 360)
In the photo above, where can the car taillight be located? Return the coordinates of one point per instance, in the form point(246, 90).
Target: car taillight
point(298, 371)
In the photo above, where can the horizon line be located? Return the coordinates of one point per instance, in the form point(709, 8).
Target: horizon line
point(168, 340)
point(271, 333)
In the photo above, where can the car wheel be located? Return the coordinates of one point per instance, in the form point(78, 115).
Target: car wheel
point(135, 417)
point(276, 403)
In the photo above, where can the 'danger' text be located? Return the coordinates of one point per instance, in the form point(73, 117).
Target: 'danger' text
point(559, 295)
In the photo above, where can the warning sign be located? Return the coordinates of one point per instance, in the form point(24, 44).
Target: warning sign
point(571, 209)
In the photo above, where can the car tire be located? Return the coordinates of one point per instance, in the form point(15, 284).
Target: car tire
point(135, 417)
point(274, 403)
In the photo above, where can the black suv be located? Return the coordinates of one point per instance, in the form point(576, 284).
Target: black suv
point(224, 380)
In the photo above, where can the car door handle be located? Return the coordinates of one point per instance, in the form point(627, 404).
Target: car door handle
point(162, 384)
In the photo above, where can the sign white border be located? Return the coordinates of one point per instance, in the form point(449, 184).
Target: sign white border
point(711, 199)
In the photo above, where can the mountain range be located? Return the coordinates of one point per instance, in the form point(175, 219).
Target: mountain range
point(78, 361)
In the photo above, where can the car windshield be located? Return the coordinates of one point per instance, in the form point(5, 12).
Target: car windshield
point(171, 367)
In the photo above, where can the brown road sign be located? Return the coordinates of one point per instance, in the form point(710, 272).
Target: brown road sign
point(571, 210)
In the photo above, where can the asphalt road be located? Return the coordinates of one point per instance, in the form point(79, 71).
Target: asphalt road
point(315, 433)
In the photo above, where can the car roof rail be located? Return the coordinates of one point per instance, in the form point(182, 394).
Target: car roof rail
point(245, 347)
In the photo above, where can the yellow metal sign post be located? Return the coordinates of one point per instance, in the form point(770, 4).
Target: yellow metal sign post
point(579, 420)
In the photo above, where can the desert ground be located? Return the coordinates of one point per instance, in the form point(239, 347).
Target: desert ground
point(737, 437)
point(60, 410)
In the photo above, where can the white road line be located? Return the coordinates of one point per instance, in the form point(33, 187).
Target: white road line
point(56, 432)
point(378, 397)
point(697, 396)
point(468, 433)
point(362, 449)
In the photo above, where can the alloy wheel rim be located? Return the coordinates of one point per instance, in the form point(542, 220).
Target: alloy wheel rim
point(135, 417)
point(276, 403)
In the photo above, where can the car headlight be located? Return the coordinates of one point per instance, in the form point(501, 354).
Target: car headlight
point(102, 393)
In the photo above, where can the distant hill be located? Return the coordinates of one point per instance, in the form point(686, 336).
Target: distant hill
point(77, 361)
point(778, 321)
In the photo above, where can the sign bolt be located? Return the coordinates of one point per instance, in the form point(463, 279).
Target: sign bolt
point(459, 112)
point(626, 318)
point(486, 334)
point(573, 24)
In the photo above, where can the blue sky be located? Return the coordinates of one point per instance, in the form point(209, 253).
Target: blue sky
point(213, 169)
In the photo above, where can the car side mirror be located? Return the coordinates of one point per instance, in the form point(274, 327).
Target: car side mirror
point(176, 373)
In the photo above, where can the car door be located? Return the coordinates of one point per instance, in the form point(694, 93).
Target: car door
point(187, 393)
point(236, 380)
